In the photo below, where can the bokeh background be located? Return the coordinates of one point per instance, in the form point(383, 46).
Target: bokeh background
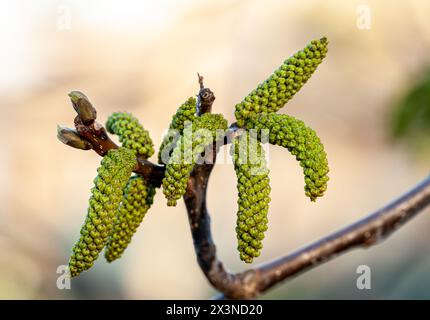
point(143, 56)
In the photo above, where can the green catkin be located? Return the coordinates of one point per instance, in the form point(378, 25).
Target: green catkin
point(302, 142)
point(138, 198)
point(186, 112)
point(253, 185)
point(284, 83)
point(105, 199)
point(186, 153)
point(131, 133)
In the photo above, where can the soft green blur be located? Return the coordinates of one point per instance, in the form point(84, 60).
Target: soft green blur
point(143, 57)
point(411, 116)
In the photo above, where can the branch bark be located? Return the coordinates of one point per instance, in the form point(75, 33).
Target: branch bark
point(249, 284)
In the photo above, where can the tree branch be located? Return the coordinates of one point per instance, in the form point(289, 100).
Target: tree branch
point(367, 232)
point(249, 284)
point(205, 98)
point(364, 233)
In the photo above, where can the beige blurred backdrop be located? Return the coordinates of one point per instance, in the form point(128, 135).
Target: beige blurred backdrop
point(142, 57)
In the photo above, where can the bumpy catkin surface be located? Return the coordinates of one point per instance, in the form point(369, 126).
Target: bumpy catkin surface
point(131, 133)
point(138, 198)
point(186, 112)
point(253, 186)
point(302, 142)
point(105, 199)
point(205, 130)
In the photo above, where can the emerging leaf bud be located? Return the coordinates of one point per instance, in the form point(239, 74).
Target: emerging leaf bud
point(83, 107)
point(71, 138)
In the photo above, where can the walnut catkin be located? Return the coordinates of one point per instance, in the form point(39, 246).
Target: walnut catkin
point(185, 113)
point(284, 83)
point(131, 133)
point(105, 199)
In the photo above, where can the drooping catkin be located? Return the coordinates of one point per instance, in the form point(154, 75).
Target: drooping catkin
point(186, 112)
point(302, 142)
point(105, 199)
point(205, 130)
point(284, 83)
point(131, 133)
point(138, 198)
point(253, 186)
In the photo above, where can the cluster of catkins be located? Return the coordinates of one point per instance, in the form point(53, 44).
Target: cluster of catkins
point(257, 112)
point(119, 202)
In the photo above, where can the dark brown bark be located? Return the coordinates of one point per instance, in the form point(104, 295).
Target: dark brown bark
point(205, 98)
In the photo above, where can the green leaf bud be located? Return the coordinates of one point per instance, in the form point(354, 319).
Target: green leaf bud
point(118, 163)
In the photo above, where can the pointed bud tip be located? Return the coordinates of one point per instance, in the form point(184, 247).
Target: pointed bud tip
point(76, 95)
point(61, 132)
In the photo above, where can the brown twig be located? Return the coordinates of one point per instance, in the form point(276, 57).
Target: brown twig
point(249, 284)
point(92, 135)
point(205, 98)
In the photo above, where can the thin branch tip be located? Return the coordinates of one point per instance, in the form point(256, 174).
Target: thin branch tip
point(200, 77)
point(206, 97)
point(96, 135)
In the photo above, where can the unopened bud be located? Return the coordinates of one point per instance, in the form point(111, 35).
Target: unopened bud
point(83, 107)
point(71, 138)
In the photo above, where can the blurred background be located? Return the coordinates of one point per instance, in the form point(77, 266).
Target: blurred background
point(369, 101)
